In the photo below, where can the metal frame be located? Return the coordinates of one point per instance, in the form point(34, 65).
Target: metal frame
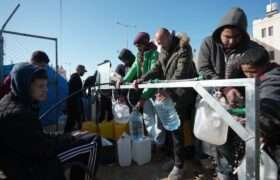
point(39, 37)
point(2, 40)
point(249, 133)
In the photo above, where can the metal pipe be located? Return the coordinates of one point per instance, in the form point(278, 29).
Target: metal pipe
point(252, 146)
point(1, 56)
point(10, 17)
point(30, 35)
point(126, 26)
point(56, 78)
point(2, 41)
point(188, 83)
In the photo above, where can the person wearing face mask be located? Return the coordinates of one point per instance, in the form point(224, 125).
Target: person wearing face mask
point(175, 62)
point(146, 59)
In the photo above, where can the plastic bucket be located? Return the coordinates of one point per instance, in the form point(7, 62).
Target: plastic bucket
point(106, 129)
point(119, 129)
point(89, 126)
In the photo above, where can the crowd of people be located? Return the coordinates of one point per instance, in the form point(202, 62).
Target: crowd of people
point(28, 153)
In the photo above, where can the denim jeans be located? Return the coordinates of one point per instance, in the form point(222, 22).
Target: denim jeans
point(225, 156)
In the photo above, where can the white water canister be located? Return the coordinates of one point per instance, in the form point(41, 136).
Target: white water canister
point(141, 151)
point(209, 125)
point(124, 150)
point(268, 168)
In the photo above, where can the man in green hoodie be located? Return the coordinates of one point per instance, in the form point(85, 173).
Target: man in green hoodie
point(146, 59)
point(218, 59)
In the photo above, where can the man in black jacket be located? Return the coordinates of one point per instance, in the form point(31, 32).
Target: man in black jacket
point(26, 152)
point(175, 62)
point(75, 111)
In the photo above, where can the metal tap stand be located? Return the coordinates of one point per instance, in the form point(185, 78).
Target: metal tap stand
point(249, 133)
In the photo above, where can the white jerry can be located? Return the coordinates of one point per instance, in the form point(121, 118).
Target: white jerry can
point(124, 150)
point(209, 125)
point(141, 150)
point(268, 168)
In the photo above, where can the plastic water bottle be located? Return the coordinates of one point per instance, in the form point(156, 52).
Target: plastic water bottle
point(120, 112)
point(136, 126)
point(167, 114)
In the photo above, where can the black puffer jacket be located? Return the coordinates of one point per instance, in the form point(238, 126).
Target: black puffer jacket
point(26, 152)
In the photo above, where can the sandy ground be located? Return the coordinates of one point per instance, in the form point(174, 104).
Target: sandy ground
point(150, 171)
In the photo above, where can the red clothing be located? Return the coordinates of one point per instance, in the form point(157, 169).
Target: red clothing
point(5, 87)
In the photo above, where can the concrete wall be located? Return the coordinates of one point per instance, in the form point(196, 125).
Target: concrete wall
point(270, 42)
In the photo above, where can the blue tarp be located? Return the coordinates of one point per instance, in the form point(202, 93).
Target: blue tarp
point(62, 92)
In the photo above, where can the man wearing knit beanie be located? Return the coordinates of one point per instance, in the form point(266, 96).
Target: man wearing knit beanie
point(142, 38)
point(146, 59)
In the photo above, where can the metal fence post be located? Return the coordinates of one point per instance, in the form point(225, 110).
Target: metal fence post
point(252, 146)
point(1, 56)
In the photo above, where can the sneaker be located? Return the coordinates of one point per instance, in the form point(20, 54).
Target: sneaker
point(176, 173)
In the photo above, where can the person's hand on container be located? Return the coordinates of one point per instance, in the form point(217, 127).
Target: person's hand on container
point(140, 104)
point(121, 99)
point(161, 95)
point(233, 97)
point(136, 83)
point(241, 120)
point(119, 83)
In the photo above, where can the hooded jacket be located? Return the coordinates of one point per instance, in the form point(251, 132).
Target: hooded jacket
point(5, 87)
point(26, 152)
point(177, 64)
point(213, 61)
point(126, 55)
point(127, 58)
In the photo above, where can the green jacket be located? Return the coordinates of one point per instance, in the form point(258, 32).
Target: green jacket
point(150, 59)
